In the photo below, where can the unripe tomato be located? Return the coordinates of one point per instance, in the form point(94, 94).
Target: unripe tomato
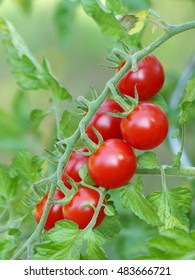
point(107, 125)
point(55, 212)
point(145, 127)
point(73, 165)
point(148, 79)
point(73, 211)
point(113, 164)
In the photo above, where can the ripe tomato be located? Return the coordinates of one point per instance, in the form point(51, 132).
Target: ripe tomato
point(55, 212)
point(73, 165)
point(113, 164)
point(148, 79)
point(107, 125)
point(73, 211)
point(145, 127)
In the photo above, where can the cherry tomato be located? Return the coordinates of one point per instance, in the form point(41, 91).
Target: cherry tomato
point(55, 212)
point(107, 125)
point(73, 211)
point(113, 164)
point(145, 127)
point(73, 165)
point(148, 79)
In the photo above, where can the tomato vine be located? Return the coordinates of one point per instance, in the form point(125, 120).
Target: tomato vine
point(42, 77)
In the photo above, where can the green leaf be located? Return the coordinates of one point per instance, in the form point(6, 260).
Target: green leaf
point(59, 91)
point(107, 22)
point(172, 207)
point(36, 116)
point(161, 102)
point(26, 167)
point(109, 210)
point(6, 249)
point(7, 189)
point(63, 242)
point(110, 227)
point(63, 18)
point(116, 6)
point(26, 69)
point(83, 173)
point(94, 250)
point(68, 124)
point(172, 244)
point(148, 160)
point(187, 101)
point(133, 198)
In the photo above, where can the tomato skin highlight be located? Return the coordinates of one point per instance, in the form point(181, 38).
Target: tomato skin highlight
point(107, 125)
point(146, 127)
point(73, 165)
point(55, 212)
point(113, 164)
point(73, 212)
point(148, 79)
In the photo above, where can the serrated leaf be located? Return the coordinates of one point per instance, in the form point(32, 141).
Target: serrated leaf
point(36, 116)
point(133, 198)
point(105, 20)
point(27, 168)
point(26, 69)
point(172, 244)
point(109, 210)
point(65, 241)
point(148, 160)
point(94, 250)
point(62, 242)
point(110, 227)
point(172, 207)
point(6, 249)
point(60, 92)
point(187, 101)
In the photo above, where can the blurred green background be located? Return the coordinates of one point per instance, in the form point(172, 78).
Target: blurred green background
point(75, 59)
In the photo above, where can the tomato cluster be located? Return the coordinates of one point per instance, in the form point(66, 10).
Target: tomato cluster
point(114, 163)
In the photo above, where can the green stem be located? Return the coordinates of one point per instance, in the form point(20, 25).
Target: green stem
point(97, 209)
point(39, 228)
point(169, 170)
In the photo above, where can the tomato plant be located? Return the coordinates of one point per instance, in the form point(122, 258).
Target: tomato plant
point(108, 126)
point(55, 212)
point(146, 127)
point(80, 209)
point(113, 164)
point(148, 79)
point(58, 201)
point(73, 165)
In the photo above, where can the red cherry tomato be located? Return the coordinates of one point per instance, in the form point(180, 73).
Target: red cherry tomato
point(107, 125)
point(73, 211)
point(148, 79)
point(73, 165)
point(145, 127)
point(113, 164)
point(55, 212)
